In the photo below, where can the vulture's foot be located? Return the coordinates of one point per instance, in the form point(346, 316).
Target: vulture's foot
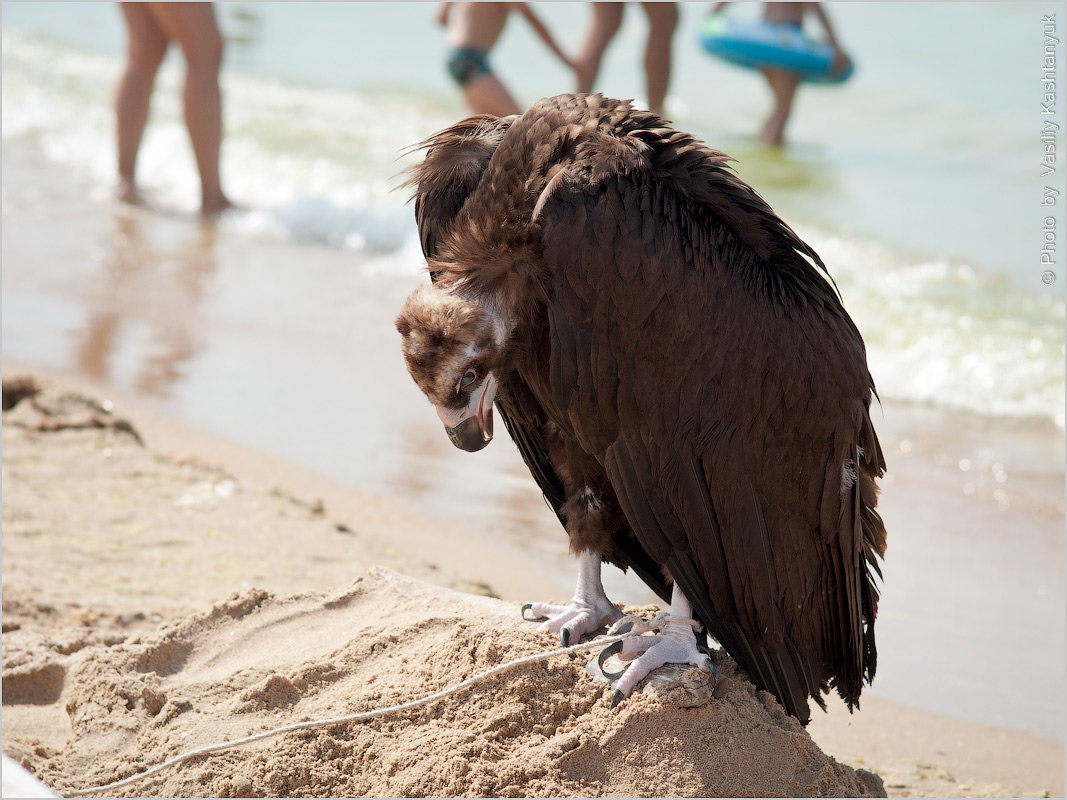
point(587, 611)
point(675, 643)
point(575, 619)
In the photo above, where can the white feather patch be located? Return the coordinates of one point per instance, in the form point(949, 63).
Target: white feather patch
point(848, 476)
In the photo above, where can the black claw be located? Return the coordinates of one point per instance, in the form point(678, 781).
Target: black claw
point(617, 698)
point(612, 649)
point(708, 663)
point(525, 608)
point(565, 637)
point(711, 668)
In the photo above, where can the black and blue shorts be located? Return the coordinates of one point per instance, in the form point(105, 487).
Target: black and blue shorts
point(464, 65)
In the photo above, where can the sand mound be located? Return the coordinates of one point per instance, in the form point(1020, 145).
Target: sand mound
point(257, 661)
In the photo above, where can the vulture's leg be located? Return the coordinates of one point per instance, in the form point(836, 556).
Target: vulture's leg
point(676, 643)
point(588, 609)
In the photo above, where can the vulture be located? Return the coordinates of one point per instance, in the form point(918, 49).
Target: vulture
point(679, 374)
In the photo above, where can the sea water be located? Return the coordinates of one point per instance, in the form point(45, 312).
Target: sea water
point(919, 182)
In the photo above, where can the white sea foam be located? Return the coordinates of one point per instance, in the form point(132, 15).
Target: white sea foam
point(945, 334)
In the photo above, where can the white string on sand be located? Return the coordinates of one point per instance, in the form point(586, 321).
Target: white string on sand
point(638, 626)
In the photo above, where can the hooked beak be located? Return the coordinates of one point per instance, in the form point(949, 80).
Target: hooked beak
point(471, 428)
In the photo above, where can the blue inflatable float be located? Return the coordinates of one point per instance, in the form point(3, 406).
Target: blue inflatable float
point(757, 44)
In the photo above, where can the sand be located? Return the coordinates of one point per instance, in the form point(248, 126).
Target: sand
point(256, 661)
point(156, 601)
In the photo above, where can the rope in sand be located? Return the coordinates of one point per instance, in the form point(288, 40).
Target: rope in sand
point(638, 626)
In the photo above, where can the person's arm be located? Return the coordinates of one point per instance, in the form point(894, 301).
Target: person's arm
point(442, 13)
point(543, 32)
point(831, 38)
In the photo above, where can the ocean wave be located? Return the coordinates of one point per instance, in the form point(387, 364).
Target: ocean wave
point(943, 333)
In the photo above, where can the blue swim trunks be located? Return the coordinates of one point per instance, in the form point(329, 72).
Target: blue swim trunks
point(464, 65)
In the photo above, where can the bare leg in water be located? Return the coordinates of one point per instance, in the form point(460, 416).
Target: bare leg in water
point(607, 18)
point(152, 26)
point(662, 20)
point(784, 88)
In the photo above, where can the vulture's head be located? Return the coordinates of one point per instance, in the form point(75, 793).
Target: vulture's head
point(454, 350)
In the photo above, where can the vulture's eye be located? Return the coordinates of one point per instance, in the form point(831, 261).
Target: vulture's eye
point(469, 377)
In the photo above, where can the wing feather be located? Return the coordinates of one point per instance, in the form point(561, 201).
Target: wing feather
point(740, 390)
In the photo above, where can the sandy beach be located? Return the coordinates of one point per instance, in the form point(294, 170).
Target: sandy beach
point(163, 590)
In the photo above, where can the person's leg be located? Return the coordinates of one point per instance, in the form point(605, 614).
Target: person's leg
point(607, 17)
point(662, 20)
point(193, 26)
point(485, 94)
point(145, 48)
point(783, 87)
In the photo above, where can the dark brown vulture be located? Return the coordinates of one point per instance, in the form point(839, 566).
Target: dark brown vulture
point(678, 373)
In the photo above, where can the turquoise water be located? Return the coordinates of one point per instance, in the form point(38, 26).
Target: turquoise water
point(918, 180)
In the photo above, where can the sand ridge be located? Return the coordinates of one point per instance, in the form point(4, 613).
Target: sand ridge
point(256, 661)
point(99, 691)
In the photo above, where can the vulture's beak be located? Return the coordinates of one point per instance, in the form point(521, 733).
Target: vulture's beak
point(471, 428)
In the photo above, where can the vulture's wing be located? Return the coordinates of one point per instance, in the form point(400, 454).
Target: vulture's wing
point(714, 369)
point(456, 160)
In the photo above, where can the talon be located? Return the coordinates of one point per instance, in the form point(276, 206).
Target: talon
point(617, 698)
point(565, 637)
point(525, 608)
point(708, 665)
point(612, 649)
